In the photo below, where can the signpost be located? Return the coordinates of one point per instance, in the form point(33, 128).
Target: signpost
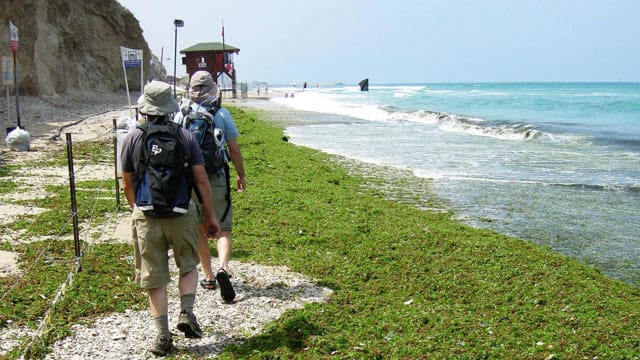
point(7, 80)
point(13, 43)
point(131, 58)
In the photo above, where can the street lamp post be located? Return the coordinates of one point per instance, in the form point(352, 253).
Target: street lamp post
point(177, 23)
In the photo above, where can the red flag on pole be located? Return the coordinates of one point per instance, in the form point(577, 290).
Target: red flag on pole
point(13, 37)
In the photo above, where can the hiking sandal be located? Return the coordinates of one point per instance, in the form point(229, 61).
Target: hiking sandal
point(226, 290)
point(208, 284)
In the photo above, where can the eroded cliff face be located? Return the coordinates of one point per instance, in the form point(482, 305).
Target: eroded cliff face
point(71, 47)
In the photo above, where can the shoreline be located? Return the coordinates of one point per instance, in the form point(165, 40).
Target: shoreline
point(417, 190)
point(399, 185)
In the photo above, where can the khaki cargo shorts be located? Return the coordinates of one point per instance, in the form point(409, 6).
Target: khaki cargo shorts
point(152, 239)
point(219, 191)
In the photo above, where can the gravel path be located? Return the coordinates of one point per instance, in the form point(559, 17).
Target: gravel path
point(263, 293)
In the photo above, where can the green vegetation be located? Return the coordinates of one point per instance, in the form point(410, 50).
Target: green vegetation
point(411, 283)
point(407, 283)
point(6, 185)
point(100, 287)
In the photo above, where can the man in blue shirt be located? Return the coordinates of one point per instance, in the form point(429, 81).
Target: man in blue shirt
point(204, 98)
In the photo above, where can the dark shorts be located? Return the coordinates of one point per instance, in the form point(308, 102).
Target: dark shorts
point(219, 191)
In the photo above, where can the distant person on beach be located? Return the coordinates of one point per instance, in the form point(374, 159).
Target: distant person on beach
point(204, 100)
point(154, 233)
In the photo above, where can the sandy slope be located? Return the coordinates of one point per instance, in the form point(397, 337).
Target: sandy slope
point(48, 121)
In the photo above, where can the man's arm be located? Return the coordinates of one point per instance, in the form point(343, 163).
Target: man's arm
point(127, 188)
point(238, 164)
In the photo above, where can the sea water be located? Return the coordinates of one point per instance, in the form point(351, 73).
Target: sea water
point(554, 163)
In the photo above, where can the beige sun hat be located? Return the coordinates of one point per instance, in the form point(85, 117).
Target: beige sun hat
point(209, 91)
point(157, 99)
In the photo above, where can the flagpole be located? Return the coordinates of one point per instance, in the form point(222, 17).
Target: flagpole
point(13, 43)
point(15, 81)
point(141, 70)
point(224, 54)
point(8, 109)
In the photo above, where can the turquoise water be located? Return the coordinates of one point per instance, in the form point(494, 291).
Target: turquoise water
point(554, 163)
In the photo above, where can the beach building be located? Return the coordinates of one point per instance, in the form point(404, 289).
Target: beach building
point(216, 58)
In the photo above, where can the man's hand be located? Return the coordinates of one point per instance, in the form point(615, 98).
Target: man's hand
point(213, 227)
point(241, 184)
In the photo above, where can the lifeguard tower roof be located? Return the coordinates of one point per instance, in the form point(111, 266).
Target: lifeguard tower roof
point(214, 57)
point(211, 46)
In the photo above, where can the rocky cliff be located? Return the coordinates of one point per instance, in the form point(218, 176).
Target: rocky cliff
point(71, 47)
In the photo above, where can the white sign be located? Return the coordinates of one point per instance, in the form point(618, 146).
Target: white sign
point(202, 64)
point(7, 70)
point(131, 57)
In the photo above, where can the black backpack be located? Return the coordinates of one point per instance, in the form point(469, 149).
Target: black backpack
point(164, 180)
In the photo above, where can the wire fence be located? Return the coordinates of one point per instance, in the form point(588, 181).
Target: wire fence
point(81, 247)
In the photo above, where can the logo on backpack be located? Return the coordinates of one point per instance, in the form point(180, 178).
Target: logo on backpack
point(156, 150)
point(163, 181)
point(210, 136)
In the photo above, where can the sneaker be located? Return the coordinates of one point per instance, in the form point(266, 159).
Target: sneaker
point(226, 290)
point(188, 324)
point(162, 345)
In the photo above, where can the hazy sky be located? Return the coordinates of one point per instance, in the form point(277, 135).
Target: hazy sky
point(407, 41)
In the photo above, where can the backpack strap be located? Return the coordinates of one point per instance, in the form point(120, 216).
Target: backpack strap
point(227, 196)
point(142, 158)
point(214, 109)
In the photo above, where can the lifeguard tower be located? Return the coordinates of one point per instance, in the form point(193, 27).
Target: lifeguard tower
point(214, 57)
